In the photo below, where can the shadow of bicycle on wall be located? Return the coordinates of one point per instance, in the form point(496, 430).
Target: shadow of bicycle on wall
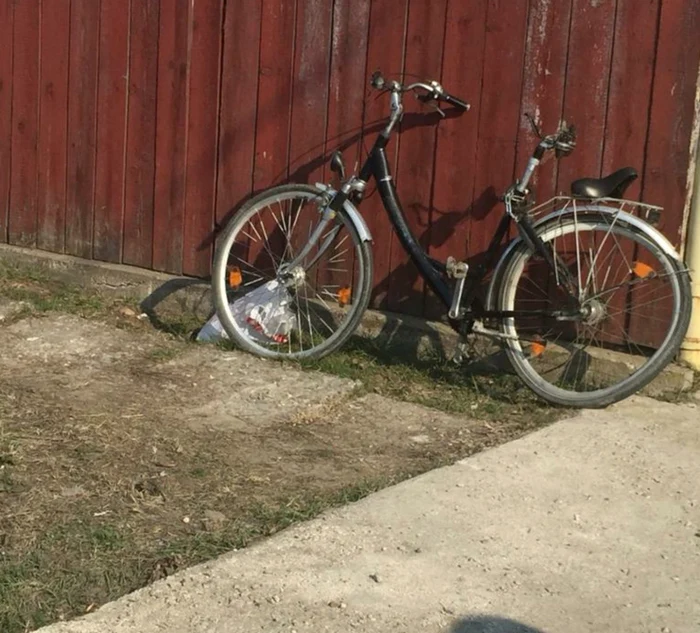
point(491, 624)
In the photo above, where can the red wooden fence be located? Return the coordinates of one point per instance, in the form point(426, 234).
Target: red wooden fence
point(129, 129)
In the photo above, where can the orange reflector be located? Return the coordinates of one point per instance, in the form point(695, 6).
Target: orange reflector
point(344, 295)
point(642, 270)
point(235, 278)
point(537, 349)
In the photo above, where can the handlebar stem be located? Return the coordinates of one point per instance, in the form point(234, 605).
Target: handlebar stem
point(396, 111)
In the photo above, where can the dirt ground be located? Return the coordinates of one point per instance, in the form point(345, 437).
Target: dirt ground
point(127, 454)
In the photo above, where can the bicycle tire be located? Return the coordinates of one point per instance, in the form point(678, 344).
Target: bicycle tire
point(680, 282)
point(219, 286)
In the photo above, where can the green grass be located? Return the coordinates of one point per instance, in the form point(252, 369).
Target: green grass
point(163, 354)
point(43, 293)
point(74, 568)
point(433, 382)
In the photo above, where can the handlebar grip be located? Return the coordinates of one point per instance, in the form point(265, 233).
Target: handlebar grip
point(454, 101)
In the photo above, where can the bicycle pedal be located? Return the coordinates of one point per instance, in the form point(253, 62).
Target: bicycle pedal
point(456, 270)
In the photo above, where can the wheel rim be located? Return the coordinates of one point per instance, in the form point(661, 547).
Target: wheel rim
point(629, 302)
point(323, 297)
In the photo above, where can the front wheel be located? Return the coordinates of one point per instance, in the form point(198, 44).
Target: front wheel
point(603, 322)
point(275, 311)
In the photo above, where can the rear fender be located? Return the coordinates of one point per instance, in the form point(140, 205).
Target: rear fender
point(622, 217)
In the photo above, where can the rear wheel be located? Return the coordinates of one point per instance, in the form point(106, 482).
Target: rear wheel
point(320, 302)
point(603, 322)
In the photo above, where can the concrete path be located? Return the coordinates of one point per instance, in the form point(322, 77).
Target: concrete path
point(591, 525)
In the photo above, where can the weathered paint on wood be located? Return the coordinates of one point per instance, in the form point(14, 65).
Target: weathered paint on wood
point(129, 131)
point(25, 124)
point(82, 119)
point(6, 83)
point(53, 125)
point(139, 191)
point(112, 78)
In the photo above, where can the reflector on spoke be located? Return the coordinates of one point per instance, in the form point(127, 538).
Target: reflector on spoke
point(537, 348)
point(235, 278)
point(642, 270)
point(344, 296)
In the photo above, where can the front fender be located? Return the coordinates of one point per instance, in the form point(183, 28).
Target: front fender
point(622, 216)
point(355, 216)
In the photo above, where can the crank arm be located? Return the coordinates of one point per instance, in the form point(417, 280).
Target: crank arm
point(478, 328)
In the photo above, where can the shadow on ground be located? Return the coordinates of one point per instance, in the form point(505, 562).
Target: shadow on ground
point(491, 624)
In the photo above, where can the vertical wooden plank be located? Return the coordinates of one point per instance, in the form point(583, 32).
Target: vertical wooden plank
point(309, 113)
point(348, 80)
point(499, 116)
point(239, 99)
point(53, 124)
point(543, 88)
point(672, 111)
point(347, 87)
point(274, 92)
point(385, 51)
point(141, 134)
point(310, 89)
point(587, 84)
point(6, 28)
point(25, 99)
point(171, 136)
point(82, 112)
point(203, 112)
point(668, 156)
point(631, 81)
point(111, 130)
point(457, 138)
point(424, 44)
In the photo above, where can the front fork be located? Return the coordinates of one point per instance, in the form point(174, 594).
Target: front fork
point(329, 214)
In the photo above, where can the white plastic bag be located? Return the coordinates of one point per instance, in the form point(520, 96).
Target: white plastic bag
point(264, 314)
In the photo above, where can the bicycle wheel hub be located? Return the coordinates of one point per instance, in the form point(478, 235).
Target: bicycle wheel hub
point(593, 312)
point(293, 278)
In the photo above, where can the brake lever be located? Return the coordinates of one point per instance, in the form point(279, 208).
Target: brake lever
point(431, 100)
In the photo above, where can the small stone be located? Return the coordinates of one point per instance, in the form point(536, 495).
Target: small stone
point(214, 519)
point(127, 312)
point(665, 630)
point(375, 577)
point(72, 491)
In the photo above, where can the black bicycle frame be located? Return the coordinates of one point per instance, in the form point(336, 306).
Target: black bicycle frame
point(433, 271)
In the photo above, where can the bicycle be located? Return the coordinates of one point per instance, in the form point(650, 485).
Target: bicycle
point(571, 298)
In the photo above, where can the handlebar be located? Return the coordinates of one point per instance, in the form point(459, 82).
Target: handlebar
point(432, 91)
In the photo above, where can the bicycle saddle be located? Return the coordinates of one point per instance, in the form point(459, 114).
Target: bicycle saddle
point(612, 186)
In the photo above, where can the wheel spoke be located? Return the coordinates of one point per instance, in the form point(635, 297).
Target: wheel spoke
point(621, 323)
point(267, 236)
